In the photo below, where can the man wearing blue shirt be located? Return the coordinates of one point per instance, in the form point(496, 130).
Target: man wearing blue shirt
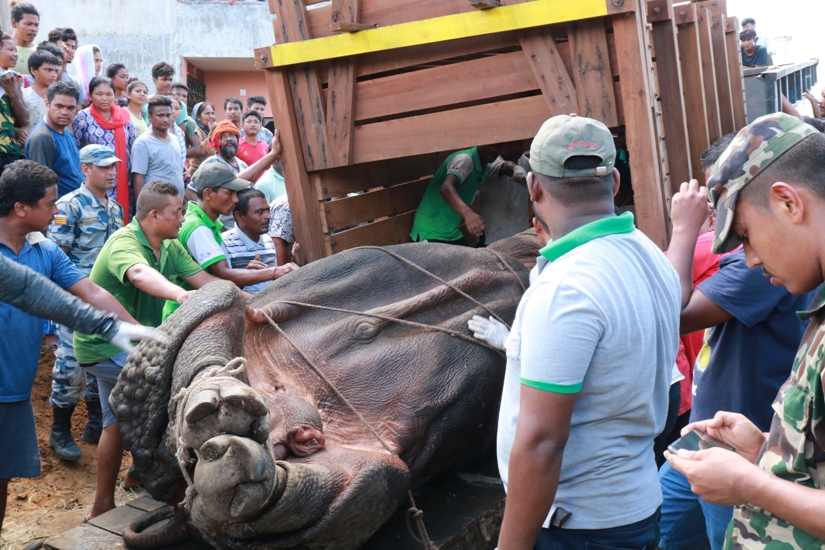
point(28, 193)
point(51, 145)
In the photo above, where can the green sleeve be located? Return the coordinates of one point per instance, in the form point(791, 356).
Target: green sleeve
point(185, 265)
point(123, 254)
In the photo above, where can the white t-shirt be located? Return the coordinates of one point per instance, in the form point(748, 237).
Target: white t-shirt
point(602, 319)
point(35, 105)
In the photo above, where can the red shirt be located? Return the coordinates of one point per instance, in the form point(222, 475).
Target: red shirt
point(251, 154)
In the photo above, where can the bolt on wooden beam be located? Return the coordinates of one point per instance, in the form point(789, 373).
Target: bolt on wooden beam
point(485, 4)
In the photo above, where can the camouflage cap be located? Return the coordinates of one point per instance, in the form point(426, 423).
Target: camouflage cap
point(753, 149)
point(99, 155)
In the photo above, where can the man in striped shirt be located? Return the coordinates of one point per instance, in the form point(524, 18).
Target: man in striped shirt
point(247, 245)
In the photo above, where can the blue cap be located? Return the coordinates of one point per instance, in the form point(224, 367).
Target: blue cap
point(99, 155)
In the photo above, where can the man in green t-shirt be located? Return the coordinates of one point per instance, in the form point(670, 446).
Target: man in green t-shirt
point(139, 265)
point(446, 202)
point(217, 188)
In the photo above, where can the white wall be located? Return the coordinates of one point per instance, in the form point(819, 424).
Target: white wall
point(139, 33)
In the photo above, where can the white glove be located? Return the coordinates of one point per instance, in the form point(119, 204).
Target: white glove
point(520, 175)
point(489, 330)
point(127, 332)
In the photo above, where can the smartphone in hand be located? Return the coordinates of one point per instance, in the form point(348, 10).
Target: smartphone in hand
point(697, 440)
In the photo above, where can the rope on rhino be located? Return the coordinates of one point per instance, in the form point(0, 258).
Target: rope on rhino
point(447, 283)
point(413, 512)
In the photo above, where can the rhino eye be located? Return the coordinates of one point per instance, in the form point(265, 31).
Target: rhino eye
point(365, 330)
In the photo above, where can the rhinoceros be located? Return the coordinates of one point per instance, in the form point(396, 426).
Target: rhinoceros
point(232, 419)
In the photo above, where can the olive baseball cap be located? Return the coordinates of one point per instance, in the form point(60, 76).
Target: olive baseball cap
point(99, 155)
point(754, 148)
point(217, 174)
point(565, 136)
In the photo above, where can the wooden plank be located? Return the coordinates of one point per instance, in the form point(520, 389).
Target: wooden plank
point(115, 521)
point(720, 66)
point(548, 68)
point(348, 27)
point(691, 65)
point(716, 7)
point(305, 86)
point(440, 29)
point(306, 219)
point(709, 75)
point(670, 93)
point(366, 207)
point(479, 125)
point(638, 102)
point(591, 72)
point(737, 82)
point(338, 182)
point(484, 78)
point(373, 63)
point(341, 90)
point(394, 230)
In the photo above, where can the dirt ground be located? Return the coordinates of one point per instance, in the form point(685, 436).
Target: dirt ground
point(55, 501)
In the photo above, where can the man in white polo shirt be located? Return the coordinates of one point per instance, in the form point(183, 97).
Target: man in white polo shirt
point(589, 359)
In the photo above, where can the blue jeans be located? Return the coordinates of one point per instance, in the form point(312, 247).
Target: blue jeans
point(688, 522)
point(641, 535)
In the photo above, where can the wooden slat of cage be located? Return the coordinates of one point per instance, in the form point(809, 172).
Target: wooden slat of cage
point(709, 75)
point(339, 182)
point(642, 143)
point(737, 83)
point(393, 230)
point(340, 214)
point(456, 129)
point(592, 75)
point(691, 64)
point(723, 87)
point(479, 79)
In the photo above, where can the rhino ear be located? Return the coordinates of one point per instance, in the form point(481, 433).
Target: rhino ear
point(155, 372)
point(305, 440)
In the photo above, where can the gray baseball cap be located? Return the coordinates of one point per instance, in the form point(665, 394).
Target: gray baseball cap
point(217, 174)
point(565, 136)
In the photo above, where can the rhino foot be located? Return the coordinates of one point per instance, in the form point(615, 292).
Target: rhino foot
point(224, 406)
point(226, 425)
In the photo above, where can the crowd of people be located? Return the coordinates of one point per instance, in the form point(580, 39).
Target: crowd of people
point(125, 201)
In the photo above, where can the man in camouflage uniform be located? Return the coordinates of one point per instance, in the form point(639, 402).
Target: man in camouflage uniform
point(769, 191)
point(86, 219)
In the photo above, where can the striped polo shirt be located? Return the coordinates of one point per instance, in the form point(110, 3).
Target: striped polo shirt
point(240, 250)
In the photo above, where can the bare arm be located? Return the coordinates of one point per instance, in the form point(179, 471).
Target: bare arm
point(100, 298)
point(138, 180)
point(688, 211)
point(11, 85)
point(281, 250)
point(241, 277)
point(152, 282)
point(194, 149)
point(202, 278)
point(254, 172)
point(535, 465)
point(449, 190)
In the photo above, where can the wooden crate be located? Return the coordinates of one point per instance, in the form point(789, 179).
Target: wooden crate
point(370, 96)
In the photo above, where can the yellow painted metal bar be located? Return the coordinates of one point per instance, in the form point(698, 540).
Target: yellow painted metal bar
point(438, 29)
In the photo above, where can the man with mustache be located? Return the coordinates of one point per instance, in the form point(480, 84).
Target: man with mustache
point(51, 145)
point(86, 219)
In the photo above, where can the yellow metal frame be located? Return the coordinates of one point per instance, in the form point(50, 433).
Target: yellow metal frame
point(438, 29)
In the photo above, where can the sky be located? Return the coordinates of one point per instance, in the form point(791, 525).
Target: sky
point(800, 19)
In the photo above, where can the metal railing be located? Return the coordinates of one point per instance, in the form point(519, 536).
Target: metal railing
point(764, 87)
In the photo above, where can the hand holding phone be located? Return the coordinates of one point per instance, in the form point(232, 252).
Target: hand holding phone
point(697, 440)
